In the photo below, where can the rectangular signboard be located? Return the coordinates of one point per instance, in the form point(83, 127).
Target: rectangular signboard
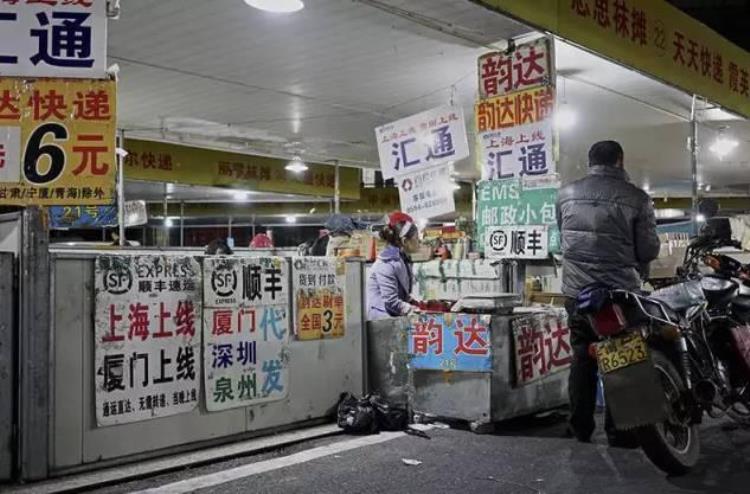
point(430, 138)
point(146, 337)
point(454, 342)
point(245, 330)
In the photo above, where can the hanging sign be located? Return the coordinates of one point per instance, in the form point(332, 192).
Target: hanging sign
point(523, 151)
point(514, 109)
point(527, 66)
point(57, 142)
point(430, 138)
point(53, 38)
point(453, 342)
point(245, 331)
point(146, 350)
point(428, 193)
point(83, 217)
point(517, 242)
point(506, 203)
point(319, 301)
point(542, 345)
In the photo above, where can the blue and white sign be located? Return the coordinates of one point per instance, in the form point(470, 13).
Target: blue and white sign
point(427, 194)
point(427, 139)
point(53, 38)
point(516, 152)
point(451, 342)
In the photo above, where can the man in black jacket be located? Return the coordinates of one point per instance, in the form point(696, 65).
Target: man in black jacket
point(608, 235)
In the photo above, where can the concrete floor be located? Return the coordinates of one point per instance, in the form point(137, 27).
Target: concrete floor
point(523, 456)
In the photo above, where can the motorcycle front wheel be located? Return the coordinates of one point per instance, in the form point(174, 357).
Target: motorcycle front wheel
point(673, 445)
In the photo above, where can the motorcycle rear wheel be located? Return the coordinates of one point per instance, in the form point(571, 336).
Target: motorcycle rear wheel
point(674, 445)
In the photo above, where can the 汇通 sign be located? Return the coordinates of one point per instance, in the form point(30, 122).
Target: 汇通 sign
point(57, 142)
point(245, 330)
point(430, 138)
point(517, 242)
point(53, 38)
point(319, 301)
point(427, 193)
point(541, 345)
point(523, 151)
point(507, 203)
point(453, 342)
point(527, 66)
point(147, 337)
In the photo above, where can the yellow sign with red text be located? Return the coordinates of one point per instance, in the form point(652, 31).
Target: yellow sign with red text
point(57, 141)
point(651, 36)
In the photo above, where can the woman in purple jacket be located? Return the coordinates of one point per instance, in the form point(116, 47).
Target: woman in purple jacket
point(390, 281)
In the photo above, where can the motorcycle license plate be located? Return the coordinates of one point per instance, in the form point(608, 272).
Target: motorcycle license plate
point(618, 353)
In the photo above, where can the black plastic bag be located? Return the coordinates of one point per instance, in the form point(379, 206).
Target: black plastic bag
point(369, 415)
point(356, 415)
point(389, 418)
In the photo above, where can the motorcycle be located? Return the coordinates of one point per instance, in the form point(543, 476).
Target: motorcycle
point(669, 356)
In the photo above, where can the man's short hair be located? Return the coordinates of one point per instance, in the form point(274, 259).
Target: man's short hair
point(606, 153)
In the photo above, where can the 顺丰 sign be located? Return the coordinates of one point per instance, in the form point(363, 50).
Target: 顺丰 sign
point(427, 139)
point(53, 38)
point(516, 242)
point(146, 337)
point(453, 342)
point(245, 330)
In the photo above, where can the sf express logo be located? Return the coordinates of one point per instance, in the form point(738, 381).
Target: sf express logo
point(117, 281)
point(224, 281)
point(498, 240)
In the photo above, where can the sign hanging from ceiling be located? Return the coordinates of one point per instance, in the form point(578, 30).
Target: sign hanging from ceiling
point(57, 142)
point(651, 36)
point(528, 66)
point(174, 163)
point(424, 140)
point(511, 110)
point(53, 38)
point(523, 151)
point(516, 242)
point(428, 193)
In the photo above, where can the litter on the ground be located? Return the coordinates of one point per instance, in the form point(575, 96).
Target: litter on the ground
point(410, 462)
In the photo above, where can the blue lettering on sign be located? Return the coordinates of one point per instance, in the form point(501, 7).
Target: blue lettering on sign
point(63, 44)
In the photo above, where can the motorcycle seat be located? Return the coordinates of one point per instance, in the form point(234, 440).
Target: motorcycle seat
point(681, 296)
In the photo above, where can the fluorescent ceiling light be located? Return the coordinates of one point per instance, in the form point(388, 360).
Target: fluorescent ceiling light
point(291, 219)
point(277, 6)
point(241, 195)
point(700, 218)
point(722, 146)
point(296, 165)
point(168, 222)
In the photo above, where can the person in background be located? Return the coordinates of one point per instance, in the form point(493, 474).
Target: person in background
point(261, 241)
point(218, 247)
point(608, 235)
point(389, 284)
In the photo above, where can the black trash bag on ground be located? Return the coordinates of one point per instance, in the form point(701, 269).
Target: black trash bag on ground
point(369, 415)
point(356, 415)
point(389, 418)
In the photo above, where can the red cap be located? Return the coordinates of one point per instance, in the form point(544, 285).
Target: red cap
point(397, 217)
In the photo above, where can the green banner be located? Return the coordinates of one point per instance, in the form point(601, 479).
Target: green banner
point(508, 202)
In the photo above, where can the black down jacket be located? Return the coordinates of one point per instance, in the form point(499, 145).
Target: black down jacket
point(607, 231)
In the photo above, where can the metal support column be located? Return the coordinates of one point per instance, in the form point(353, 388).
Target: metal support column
point(694, 162)
point(8, 335)
point(182, 223)
point(121, 187)
point(337, 188)
point(165, 240)
point(36, 337)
